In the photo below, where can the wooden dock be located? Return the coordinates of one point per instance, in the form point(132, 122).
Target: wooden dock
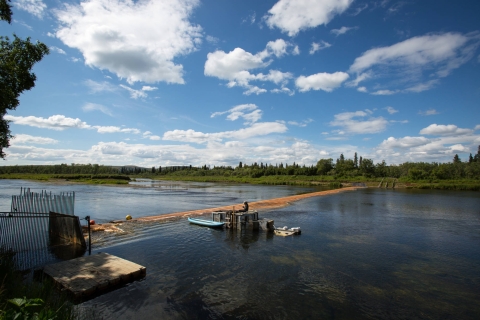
point(89, 276)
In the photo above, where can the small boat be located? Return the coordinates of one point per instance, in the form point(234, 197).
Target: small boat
point(206, 223)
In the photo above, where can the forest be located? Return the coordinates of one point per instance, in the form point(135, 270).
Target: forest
point(357, 168)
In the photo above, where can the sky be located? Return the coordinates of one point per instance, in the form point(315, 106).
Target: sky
point(216, 82)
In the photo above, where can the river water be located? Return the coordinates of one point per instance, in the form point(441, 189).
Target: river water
point(366, 254)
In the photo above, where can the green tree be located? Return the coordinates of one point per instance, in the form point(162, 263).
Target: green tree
point(456, 159)
point(17, 58)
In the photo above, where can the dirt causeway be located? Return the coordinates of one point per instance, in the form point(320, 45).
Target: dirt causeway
point(257, 205)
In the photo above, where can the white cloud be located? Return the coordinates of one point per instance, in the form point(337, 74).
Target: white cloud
point(25, 138)
point(111, 34)
point(349, 123)
point(321, 81)
point(296, 51)
point(56, 122)
point(95, 106)
point(278, 47)
point(134, 94)
point(421, 149)
point(477, 127)
point(293, 16)
point(360, 77)
point(429, 112)
point(360, 9)
point(212, 39)
point(283, 90)
point(421, 60)
point(57, 50)
point(249, 112)
point(302, 124)
point(96, 87)
point(317, 46)
point(60, 123)
point(423, 86)
point(391, 110)
point(342, 30)
point(236, 65)
point(384, 92)
point(403, 143)
point(148, 88)
point(114, 129)
point(445, 130)
point(256, 129)
point(362, 89)
point(34, 7)
point(250, 19)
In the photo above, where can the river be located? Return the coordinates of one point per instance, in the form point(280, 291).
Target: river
point(367, 254)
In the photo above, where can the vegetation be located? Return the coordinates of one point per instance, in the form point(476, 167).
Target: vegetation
point(456, 175)
point(23, 299)
point(17, 58)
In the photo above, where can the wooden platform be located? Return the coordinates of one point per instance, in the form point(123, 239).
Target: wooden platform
point(89, 276)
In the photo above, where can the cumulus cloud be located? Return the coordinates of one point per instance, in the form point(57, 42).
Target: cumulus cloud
point(60, 123)
point(404, 143)
point(432, 56)
point(249, 112)
point(342, 30)
point(111, 34)
point(25, 138)
point(362, 89)
point(256, 129)
point(34, 7)
point(317, 46)
point(236, 65)
point(293, 16)
point(358, 123)
point(95, 106)
point(445, 130)
point(56, 122)
point(439, 149)
point(321, 81)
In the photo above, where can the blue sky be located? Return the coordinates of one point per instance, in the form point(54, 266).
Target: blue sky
point(180, 82)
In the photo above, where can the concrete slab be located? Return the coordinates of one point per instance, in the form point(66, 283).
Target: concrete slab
point(89, 276)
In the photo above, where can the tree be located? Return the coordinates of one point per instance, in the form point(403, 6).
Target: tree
point(355, 161)
point(324, 166)
point(17, 58)
point(456, 159)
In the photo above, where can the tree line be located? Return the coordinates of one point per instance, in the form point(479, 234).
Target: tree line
point(342, 168)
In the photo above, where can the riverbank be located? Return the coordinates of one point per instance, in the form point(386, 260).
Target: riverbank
point(289, 180)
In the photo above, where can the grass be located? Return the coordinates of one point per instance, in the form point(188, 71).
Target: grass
point(81, 178)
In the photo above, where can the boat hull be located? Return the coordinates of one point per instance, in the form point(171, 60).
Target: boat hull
point(206, 223)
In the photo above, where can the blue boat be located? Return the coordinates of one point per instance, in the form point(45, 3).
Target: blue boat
point(206, 223)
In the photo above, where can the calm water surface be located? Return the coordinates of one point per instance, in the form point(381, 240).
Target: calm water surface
point(368, 254)
point(148, 197)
